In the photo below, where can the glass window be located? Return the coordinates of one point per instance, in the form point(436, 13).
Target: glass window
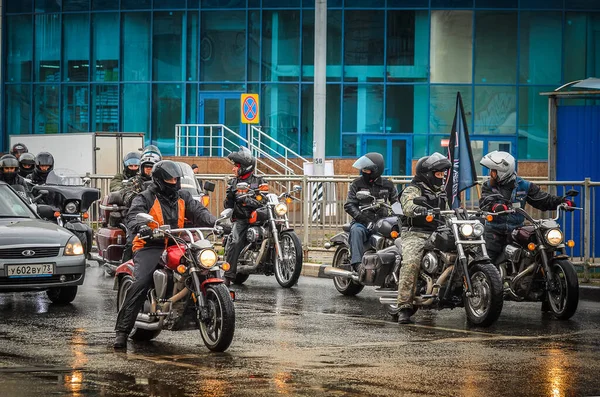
point(192, 46)
point(332, 122)
point(45, 120)
point(308, 45)
point(47, 47)
point(135, 108)
point(364, 42)
point(280, 3)
point(105, 50)
point(540, 48)
point(363, 108)
point(105, 107)
point(193, 3)
point(76, 5)
point(451, 3)
point(136, 5)
point(279, 113)
point(75, 108)
point(136, 46)
point(419, 148)
point(18, 108)
point(582, 4)
point(581, 46)
point(47, 5)
point(76, 47)
point(363, 4)
point(105, 4)
point(223, 46)
point(496, 3)
point(307, 119)
point(169, 3)
point(167, 52)
point(533, 123)
point(545, 4)
point(334, 45)
point(350, 145)
point(20, 47)
point(495, 110)
point(495, 33)
point(166, 112)
point(443, 107)
point(408, 45)
point(254, 45)
point(19, 6)
point(191, 103)
point(406, 108)
point(223, 4)
point(407, 3)
point(281, 45)
point(451, 46)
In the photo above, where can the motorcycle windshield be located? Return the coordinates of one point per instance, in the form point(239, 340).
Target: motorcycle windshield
point(64, 177)
point(188, 180)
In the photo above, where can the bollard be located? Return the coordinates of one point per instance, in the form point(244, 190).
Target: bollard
point(587, 231)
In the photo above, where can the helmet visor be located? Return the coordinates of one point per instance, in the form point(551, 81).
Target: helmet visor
point(364, 162)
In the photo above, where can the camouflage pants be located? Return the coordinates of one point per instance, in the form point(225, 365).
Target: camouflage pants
point(412, 253)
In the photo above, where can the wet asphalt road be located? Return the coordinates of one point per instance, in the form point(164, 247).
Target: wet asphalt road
point(307, 341)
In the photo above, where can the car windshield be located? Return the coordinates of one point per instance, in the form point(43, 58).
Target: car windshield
point(64, 177)
point(11, 206)
point(188, 181)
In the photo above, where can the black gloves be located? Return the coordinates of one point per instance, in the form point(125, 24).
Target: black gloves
point(419, 210)
point(145, 232)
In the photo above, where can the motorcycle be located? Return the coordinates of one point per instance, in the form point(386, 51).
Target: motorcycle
point(111, 238)
point(455, 270)
point(65, 201)
point(384, 232)
point(187, 292)
point(535, 267)
point(272, 246)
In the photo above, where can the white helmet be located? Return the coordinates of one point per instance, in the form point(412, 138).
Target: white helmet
point(503, 163)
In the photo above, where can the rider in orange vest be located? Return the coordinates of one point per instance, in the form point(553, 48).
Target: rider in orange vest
point(168, 205)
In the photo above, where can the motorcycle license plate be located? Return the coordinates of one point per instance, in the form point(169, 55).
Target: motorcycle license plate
point(36, 270)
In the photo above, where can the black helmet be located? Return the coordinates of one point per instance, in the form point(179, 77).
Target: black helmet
point(244, 158)
point(150, 156)
point(18, 149)
point(427, 166)
point(131, 158)
point(43, 158)
point(9, 161)
point(373, 162)
point(26, 163)
point(167, 169)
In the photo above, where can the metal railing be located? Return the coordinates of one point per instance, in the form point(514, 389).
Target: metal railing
point(263, 142)
point(316, 221)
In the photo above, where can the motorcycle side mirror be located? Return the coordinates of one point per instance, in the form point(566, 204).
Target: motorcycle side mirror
point(226, 213)
point(362, 195)
point(144, 218)
point(164, 227)
point(45, 211)
point(297, 188)
point(572, 193)
point(242, 186)
point(422, 201)
point(209, 186)
point(41, 194)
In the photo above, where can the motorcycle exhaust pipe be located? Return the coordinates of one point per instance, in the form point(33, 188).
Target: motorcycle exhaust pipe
point(96, 257)
point(148, 326)
point(335, 272)
point(387, 294)
point(388, 300)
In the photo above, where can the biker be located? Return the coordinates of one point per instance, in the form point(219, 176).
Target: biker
point(26, 164)
point(44, 163)
point(18, 149)
point(371, 166)
point(169, 206)
point(428, 182)
point(243, 169)
point(131, 166)
point(9, 166)
point(505, 189)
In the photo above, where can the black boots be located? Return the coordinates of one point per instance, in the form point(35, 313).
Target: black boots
point(404, 316)
point(120, 341)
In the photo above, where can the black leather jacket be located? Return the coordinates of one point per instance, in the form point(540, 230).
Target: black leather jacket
point(242, 208)
point(380, 189)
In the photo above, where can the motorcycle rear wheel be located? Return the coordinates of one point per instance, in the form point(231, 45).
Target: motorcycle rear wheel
point(287, 271)
point(137, 334)
point(343, 285)
point(563, 300)
point(217, 331)
point(485, 306)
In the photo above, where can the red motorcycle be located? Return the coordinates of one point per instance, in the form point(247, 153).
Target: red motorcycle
point(188, 292)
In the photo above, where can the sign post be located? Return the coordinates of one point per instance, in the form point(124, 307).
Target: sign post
point(250, 113)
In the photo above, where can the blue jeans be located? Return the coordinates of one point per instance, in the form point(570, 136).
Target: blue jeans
point(359, 235)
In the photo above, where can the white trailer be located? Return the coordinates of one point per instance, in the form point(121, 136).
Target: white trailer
point(99, 153)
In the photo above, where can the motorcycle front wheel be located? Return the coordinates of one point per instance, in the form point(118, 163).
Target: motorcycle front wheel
point(218, 328)
point(287, 270)
point(484, 306)
point(345, 286)
point(563, 296)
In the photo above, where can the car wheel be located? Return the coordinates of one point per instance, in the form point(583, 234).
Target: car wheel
point(62, 295)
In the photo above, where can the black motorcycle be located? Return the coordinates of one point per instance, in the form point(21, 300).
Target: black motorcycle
point(535, 267)
point(65, 201)
point(384, 231)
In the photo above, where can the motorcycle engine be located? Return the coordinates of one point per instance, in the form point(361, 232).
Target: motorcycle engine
point(255, 234)
point(430, 263)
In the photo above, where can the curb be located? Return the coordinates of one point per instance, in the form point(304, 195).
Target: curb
point(586, 292)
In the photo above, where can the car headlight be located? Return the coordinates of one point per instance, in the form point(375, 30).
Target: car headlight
point(207, 258)
point(281, 209)
point(554, 237)
point(71, 207)
point(74, 247)
point(478, 230)
point(466, 230)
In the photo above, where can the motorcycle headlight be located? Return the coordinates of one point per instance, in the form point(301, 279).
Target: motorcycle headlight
point(71, 207)
point(207, 258)
point(281, 209)
point(466, 230)
point(73, 247)
point(554, 237)
point(478, 230)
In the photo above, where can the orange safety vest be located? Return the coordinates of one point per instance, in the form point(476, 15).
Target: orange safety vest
point(156, 212)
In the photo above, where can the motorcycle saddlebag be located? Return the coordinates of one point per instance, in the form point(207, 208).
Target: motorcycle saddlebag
point(376, 266)
point(111, 242)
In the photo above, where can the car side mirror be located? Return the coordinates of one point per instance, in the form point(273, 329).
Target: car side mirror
point(209, 186)
point(45, 211)
point(572, 193)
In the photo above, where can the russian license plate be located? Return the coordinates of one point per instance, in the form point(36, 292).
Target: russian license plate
point(37, 270)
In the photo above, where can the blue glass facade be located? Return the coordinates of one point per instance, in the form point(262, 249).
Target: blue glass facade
point(394, 67)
